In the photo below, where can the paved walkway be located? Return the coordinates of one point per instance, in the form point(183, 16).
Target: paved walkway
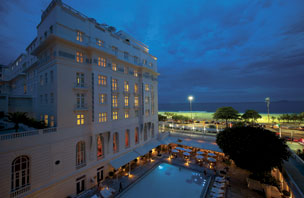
point(238, 184)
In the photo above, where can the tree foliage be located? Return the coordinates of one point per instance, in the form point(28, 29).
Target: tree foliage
point(22, 117)
point(162, 117)
point(17, 118)
point(180, 118)
point(251, 115)
point(254, 149)
point(226, 113)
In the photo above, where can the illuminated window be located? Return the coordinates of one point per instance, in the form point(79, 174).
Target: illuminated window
point(79, 36)
point(147, 87)
point(99, 117)
point(79, 57)
point(20, 175)
point(102, 80)
point(135, 88)
point(126, 86)
point(152, 110)
point(126, 99)
point(46, 120)
point(102, 62)
point(80, 153)
point(114, 84)
point(52, 121)
point(102, 98)
point(114, 67)
point(151, 64)
point(115, 142)
point(99, 42)
point(145, 61)
point(114, 101)
point(136, 102)
point(80, 79)
point(127, 138)
point(127, 114)
point(136, 136)
point(80, 119)
point(104, 117)
point(100, 146)
point(135, 73)
point(114, 115)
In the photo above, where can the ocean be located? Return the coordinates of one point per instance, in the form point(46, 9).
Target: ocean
point(274, 107)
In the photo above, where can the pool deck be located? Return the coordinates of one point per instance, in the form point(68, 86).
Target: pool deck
point(237, 187)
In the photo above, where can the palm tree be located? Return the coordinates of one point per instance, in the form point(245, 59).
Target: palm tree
point(17, 118)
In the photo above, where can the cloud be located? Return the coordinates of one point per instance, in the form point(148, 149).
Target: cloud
point(237, 50)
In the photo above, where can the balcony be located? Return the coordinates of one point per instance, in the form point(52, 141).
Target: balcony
point(81, 107)
point(80, 86)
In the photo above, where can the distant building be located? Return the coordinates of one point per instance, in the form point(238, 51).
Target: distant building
point(96, 90)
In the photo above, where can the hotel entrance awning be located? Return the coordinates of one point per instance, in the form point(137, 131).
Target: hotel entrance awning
point(124, 159)
point(142, 150)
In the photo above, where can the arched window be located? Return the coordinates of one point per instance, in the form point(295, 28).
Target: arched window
point(20, 174)
point(136, 136)
point(152, 130)
point(115, 142)
point(80, 153)
point(100, 146)
point(145, 133)
point(127, 138)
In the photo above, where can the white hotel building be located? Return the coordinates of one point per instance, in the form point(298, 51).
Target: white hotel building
point(95, 88)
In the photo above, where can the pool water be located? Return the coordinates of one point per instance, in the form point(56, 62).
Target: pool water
point(167, 181)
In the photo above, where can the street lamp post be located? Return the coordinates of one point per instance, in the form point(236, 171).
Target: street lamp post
point(190, 98)
point(267, 100)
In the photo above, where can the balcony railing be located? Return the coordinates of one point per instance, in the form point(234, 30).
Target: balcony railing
point(27, 133)
point(81, 107)
point(80, 86)
point(16, 193)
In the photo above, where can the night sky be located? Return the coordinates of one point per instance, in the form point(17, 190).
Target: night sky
point(218, 51)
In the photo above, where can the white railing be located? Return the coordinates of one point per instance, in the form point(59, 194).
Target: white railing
point(22, 134)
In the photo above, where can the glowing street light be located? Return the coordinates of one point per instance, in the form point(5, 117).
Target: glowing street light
point(190, 98)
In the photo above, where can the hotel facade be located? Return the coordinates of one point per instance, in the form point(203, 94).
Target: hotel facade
point(96, 90)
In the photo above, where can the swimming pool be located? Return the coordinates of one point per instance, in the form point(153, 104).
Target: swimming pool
point(167, 180)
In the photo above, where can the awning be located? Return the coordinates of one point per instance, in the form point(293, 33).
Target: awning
point(142, 150)
point(124, 159)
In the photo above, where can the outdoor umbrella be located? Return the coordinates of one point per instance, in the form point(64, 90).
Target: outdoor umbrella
point(211, 154)
point(211, 159)
point(186, 153)
point(200, 152)
point(187, 150)
point(175, 151)
point(199, 157)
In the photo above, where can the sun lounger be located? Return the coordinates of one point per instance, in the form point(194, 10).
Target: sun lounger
point(217, 190)
point(219, 185)
point(216, 195)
